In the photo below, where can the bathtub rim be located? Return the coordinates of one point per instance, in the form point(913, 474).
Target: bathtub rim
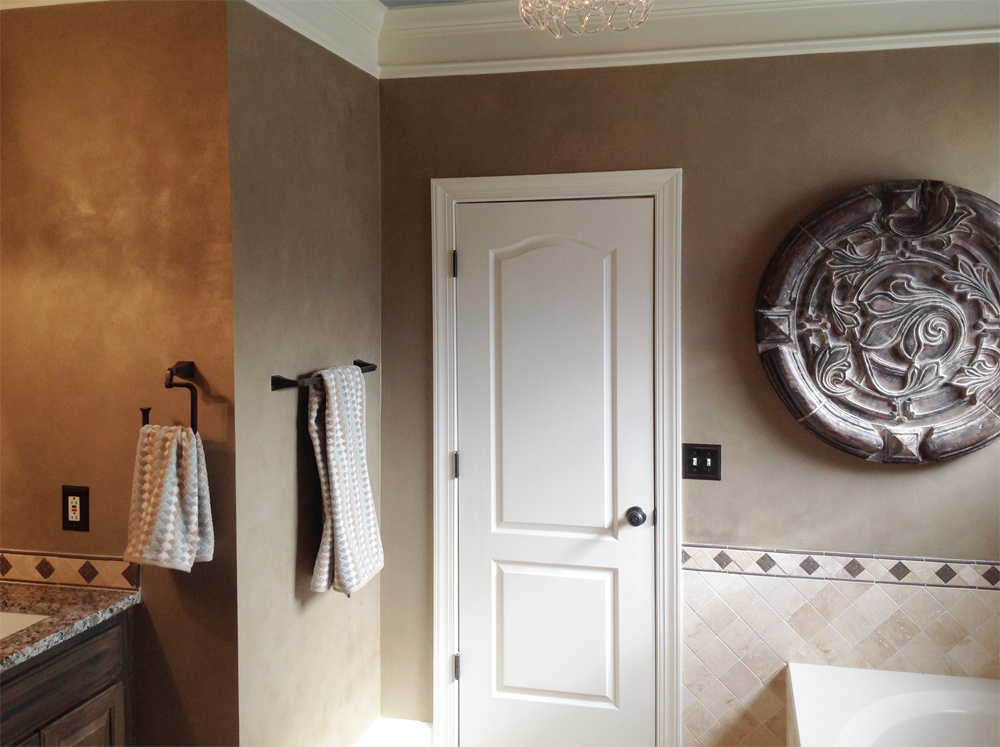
point(813, 723)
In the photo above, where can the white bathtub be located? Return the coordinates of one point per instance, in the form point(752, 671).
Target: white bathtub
point(839, 707)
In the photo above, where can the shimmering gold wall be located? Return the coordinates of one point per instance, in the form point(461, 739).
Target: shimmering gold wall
point(115, 262)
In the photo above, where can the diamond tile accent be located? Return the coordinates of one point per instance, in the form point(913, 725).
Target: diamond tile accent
point(722, 559)
point(968, 575)
point(131, 575)
point(69, 570)
point(992, 575)
point(766, 562)
point(945, 573)
point(88, 571)
point(795, 564)
point(684, 557)
point(809, 565)
point(854, 568)
point(899, 571)
point(45, 568)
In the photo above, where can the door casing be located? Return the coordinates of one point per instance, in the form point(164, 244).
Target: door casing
point(664, 186)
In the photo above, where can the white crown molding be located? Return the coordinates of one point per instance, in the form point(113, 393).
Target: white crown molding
point(348, 28)
point(489, 37)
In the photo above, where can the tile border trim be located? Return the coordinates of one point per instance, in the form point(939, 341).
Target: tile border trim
point(64, 569)
point(842, 566)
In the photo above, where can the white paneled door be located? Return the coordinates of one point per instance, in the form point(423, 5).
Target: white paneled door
point(556, 621)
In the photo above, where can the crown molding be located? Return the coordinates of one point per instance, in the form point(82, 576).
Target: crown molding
point(348, 28)
point(489, 37)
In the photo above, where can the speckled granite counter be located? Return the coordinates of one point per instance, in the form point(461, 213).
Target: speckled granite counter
point(71, 611)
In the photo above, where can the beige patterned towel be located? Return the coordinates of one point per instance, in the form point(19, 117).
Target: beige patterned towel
point(350, 552)
point(170, 522)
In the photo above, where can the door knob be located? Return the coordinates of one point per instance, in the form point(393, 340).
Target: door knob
point(636, 516)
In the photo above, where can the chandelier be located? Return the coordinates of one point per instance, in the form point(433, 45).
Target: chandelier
point(578, 17)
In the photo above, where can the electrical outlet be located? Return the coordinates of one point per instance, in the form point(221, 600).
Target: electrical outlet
point(76, 508)
point(702, 462)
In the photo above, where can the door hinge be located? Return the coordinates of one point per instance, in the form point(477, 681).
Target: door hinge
point(454, 263)
point(458, 666)
point(456, 464)
point(654, 517)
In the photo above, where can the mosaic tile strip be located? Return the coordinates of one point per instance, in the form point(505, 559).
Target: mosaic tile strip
point(968, 574)
point(68, 570)
point(741, 629)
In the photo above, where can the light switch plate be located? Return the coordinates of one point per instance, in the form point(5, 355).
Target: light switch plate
point(702, 462)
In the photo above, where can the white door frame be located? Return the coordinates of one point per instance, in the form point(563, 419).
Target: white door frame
point(664, 186)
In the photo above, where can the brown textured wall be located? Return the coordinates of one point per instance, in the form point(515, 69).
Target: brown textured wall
point(762, 143)
point(116, 262)
point(304, 146)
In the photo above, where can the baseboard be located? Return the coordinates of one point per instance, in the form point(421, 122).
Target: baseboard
point(396, 732)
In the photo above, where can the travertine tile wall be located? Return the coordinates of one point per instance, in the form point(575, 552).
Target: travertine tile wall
point(748, 612)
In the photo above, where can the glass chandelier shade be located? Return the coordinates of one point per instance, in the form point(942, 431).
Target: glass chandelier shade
point(579, 17)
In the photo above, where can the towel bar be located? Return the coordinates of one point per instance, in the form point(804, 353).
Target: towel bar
point(281, 382)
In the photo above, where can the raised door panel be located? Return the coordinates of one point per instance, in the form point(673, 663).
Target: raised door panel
point(100, 722)
point(556, 633)
point(552, 327)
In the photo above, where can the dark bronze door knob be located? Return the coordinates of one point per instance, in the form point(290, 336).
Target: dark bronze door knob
point(636, 516)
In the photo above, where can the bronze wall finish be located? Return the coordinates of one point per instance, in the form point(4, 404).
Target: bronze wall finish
point(304, 144)
point(878, 322)
point(116, 262)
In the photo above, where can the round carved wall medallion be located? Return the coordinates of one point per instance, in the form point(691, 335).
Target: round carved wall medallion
point(878, 322)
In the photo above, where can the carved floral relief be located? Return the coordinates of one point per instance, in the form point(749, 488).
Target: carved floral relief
point(878, 322)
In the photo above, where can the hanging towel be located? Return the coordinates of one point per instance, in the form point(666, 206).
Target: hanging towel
point(350, 552)
point(170, 521)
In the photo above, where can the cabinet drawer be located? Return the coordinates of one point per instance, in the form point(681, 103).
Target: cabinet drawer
point(99, 721)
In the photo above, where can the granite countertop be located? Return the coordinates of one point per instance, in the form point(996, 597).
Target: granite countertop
point(71, 611)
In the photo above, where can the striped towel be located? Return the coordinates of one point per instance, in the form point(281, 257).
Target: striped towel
point(170, 520)
point(350, 552)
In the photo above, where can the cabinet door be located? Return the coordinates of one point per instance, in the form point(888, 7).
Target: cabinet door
point(100, 722)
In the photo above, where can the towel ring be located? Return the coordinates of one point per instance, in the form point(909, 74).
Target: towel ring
point(182, 370)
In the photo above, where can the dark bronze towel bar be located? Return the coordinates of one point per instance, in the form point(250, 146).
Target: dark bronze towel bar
point(281, 382)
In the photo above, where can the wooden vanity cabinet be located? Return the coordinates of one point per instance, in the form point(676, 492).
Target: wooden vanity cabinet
point(78, 693)
point(99, 721)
